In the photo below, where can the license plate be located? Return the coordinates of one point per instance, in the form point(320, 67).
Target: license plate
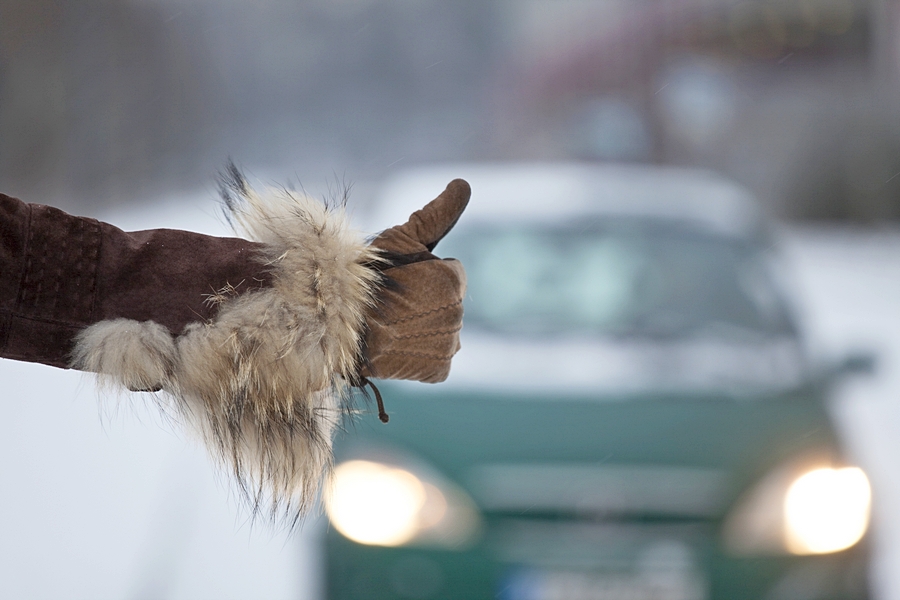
point(544, 584)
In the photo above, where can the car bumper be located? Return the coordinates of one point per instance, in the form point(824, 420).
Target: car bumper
point(538, 559)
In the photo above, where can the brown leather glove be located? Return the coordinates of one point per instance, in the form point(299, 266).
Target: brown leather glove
point(414, 331)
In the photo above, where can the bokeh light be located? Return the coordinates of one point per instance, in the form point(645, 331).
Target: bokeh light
point(827, 510)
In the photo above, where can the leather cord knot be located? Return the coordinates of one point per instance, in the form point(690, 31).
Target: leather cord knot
point(382, 414)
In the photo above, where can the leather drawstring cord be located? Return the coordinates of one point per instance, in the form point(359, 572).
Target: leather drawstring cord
point(382, 414)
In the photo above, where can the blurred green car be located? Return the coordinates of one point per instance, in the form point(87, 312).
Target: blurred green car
point(632, 414)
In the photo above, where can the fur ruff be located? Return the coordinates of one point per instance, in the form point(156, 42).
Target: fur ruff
point(266, 381)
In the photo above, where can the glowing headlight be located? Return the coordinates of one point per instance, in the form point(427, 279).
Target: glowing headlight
point(385, 505)
point(826, 510)
point(372, 503)
point(800, 510)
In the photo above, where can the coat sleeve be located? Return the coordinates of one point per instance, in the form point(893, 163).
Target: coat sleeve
point(62, 273)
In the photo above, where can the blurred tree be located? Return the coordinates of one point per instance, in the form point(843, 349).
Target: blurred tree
point(112, 100)
point(851, 172)
point(99, 100)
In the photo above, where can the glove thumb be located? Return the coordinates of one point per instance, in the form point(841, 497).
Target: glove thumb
point(430, 224)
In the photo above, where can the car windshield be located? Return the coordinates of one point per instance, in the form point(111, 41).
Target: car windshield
point(619, 277)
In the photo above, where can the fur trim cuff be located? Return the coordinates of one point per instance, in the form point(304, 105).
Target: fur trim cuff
point(264, 383)
point(140, 355)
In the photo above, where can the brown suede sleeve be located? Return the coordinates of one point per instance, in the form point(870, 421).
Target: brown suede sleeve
point(167, 276)
point(60, 273)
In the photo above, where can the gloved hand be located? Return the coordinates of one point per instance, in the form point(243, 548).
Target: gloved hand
point(413, 332)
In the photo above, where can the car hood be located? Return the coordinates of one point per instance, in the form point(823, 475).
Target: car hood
point(608, 368)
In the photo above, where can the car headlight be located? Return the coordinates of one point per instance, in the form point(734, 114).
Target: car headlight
point(826, 510)
point(801, 510)
point(391, 505)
